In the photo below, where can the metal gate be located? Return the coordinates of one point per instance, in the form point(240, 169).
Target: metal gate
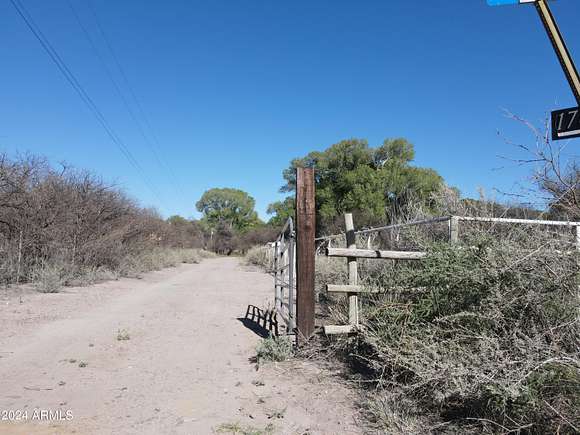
point(284, 276)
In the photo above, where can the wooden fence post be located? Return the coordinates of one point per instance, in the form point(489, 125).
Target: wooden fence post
point(352, 270)
point(453, 229)
point(305, 229)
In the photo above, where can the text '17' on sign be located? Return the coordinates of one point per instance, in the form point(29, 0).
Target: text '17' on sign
point(566, 123)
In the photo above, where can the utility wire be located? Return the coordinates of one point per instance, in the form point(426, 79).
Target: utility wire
point(121, 95)
point(71, 79)
point(155, 147)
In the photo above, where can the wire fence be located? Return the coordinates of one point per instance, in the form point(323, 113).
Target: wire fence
point(414, 235)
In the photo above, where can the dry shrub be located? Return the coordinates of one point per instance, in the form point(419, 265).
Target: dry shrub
point(330, 270)
point(261, 256)
point(274, 349)
point(67, 227)
point(478, 338)
point(48, 277)
point(84, 276)
point(203, 254)
point(160, 258)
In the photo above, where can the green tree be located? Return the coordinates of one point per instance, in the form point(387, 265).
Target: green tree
point(379, 182)
point(281, 210)
point(228, 208)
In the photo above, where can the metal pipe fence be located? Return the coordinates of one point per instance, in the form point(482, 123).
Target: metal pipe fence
point(284, 270)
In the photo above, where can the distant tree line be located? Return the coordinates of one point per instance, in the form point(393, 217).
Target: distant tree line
point(380, 185)
point(74, 218)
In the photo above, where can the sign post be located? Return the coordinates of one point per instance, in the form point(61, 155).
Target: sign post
point(559, 46)
point(564, 122)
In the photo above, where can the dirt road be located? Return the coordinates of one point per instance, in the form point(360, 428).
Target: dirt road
point(184, 366)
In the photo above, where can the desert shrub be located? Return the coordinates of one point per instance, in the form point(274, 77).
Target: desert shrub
point(274, 348)
point(261, 256)
point(88, 275)
point(203, 253)
point(159, 258)
point(330, 271)
point(475, 338)
point(48, 277)
point(123, 335)
point(68, 227)
point(258, 236)
point(190, 256)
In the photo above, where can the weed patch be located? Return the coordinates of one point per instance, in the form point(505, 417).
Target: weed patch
point(274, 349)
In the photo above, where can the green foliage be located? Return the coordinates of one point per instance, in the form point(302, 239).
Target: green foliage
point(229, 208)
point(351, 176)
point(274, 349)
point(282, 210)
point(177, 220)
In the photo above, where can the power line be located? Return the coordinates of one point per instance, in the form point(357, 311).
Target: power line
point(155, 146)
point(121, 95)
point(87, 100)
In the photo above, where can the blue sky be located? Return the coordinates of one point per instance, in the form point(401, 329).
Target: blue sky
point(235, 89)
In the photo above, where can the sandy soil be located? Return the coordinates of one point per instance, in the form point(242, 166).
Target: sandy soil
point(185, 368)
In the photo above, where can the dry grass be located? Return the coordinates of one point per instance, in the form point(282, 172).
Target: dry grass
point(260, 256)
point(50, 277)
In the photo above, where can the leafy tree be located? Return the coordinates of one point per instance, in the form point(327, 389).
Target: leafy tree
point(351, 176)
point(281, 210)
point(228, 208)
point(223, 239)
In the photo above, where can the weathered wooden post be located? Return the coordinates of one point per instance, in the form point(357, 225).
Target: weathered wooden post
point(454, 229)
point(352, 270)
point(305, 229)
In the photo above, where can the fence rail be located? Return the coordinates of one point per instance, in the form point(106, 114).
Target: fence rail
point(454, 224)
point(351, 253)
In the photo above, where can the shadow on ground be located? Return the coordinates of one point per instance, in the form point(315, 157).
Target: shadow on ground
point(261, 322)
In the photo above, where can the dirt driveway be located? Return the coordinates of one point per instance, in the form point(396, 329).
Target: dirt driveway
point(183, 366)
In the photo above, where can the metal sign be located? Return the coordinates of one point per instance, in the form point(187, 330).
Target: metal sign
point(566, 123)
